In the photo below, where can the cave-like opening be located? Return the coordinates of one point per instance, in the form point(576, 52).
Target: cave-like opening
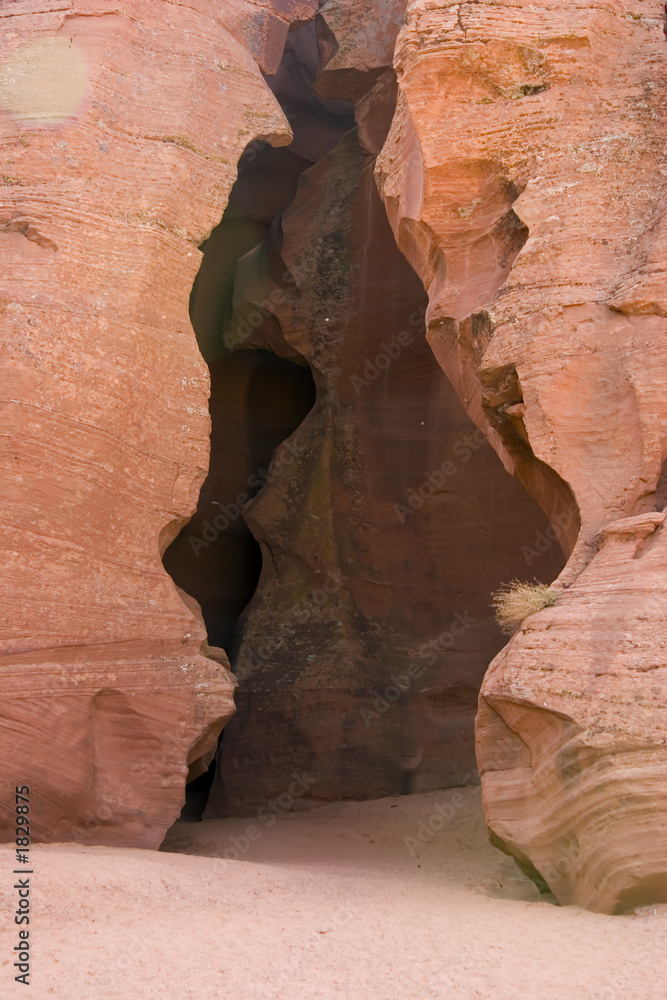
point(258, 397)
point(257, 401)
point(385, 534)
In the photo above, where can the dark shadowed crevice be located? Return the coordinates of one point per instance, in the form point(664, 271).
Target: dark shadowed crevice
point(257, 398)
point(392, 521)
point(661, 489)
point(383, 543)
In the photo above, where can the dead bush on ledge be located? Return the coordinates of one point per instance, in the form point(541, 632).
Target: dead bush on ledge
point(516, 600)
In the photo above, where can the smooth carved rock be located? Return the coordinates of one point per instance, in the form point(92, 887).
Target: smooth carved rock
point(120, 134)
point(524, 179)
point(257, 399)
point(572, 730)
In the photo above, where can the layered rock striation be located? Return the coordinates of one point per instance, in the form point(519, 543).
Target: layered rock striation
point(120, 127)
point(519, 153)
point(524, 179)
point(571, 730)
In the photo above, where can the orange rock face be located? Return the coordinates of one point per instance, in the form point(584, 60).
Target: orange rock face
point(524, 178)
point(119, 140)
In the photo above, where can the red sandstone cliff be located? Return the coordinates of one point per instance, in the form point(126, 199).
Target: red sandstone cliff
point(524, 178)
point(120, 129)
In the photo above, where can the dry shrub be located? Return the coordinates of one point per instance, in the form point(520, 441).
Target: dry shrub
point(516, 600)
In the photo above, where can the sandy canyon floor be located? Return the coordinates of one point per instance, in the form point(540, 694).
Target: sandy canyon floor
point(338, 902)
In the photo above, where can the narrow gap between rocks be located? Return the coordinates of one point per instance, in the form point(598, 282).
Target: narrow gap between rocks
point(383, 541)
point(258, 398)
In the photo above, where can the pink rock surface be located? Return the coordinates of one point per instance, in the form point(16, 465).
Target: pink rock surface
point(120, 128)
point(572, 730)
point(524, 179)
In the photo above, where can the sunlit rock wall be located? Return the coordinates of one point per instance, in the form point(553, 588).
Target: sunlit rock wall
point(121, 125)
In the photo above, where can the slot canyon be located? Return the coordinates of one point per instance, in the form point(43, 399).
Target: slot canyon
point(323, 322)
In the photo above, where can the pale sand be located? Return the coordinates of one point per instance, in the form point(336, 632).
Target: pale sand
point(325, 904)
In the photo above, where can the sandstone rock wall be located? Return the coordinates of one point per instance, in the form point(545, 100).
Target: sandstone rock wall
point(572, 725)
point(524, 179)
point(257, 398)
point(121, 125)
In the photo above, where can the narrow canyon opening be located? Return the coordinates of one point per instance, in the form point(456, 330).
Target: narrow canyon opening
point(257, 400)
point(349, 577)
point(258, 397)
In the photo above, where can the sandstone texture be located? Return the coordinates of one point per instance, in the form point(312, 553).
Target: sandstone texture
point(572, 730)
point(257, 398)
point(524, 177)
point(121, 125)
point(434, 249)
point(386, 520)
